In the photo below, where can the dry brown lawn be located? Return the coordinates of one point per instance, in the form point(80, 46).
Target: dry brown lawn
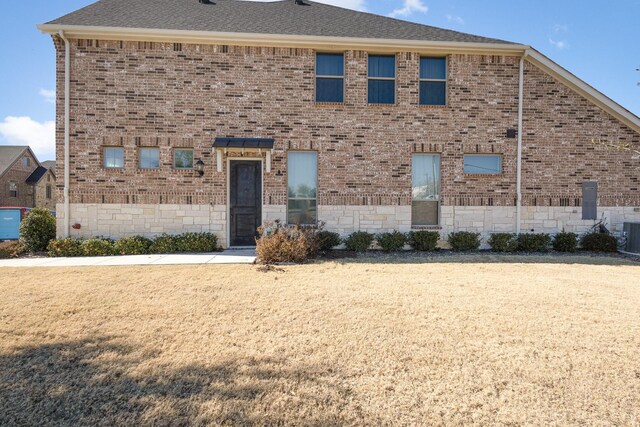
point(446, 342)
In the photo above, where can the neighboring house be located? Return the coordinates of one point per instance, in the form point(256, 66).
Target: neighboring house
point(24, 182)
point(220, 115)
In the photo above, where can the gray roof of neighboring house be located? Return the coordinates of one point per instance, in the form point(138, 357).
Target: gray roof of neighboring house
point(50, 165)
point(37, 175)
point(8, 156)
point(283, 17)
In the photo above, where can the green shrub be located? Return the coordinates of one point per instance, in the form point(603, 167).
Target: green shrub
point(197, 242)
point(464, 241)
point(565, 242)
point(69, 247)
point(37, 230)
point(424, 241)
point(392, 242)
point(534, 242)
point(327, 240)
point(279, 243)
point(599, 242)
point(12, 249)
point(97, 247)
point(137, 245)
point(503, 242)
point(165, 244)
point(360, 241)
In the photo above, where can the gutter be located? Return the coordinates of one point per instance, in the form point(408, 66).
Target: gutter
point(67, 92)
point(520, 132)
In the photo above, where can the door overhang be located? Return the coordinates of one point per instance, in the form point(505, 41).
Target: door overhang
point(242, 147)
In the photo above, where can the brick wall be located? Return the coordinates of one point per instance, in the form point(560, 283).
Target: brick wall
point(177, 95)
point(18, 174)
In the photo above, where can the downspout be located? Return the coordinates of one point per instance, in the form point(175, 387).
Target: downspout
point(519, 161)
point(67, 91)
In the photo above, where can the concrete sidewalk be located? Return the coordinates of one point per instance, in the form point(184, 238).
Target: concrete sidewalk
point(230, 256)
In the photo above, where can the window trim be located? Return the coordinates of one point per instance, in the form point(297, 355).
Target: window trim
point(304, 198)
point(438, 202)
point(445, 81)
point(489, 174)
point(140, 158)
point(394, 79)
point(320, 76)
point(193, 158)
point(104, 157)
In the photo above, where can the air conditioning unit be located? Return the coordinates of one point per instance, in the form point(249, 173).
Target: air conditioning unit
point(632, 231)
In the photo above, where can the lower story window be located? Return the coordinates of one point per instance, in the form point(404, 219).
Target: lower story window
point(302, 176)
point(48, 191)
point(13, 189)
point(425, 206)
point(482, 164)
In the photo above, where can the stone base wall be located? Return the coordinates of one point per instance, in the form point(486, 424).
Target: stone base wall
point(121, 220)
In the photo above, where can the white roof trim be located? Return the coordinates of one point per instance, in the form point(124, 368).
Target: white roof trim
point(584, 89)
point(277, 40)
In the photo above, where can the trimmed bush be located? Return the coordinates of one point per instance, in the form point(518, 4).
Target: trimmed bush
point(599, 242)
point(360, 241)
point(137, 245)
point(165, 244)
point(464, 241)
point(392, 242)
point(37, 230)
point(565, 242)
point(279, 243)
point(69, 247)
point(197, 242)
point(534, 242)
point(11, 249)
point(97, 247)
point(424, 241)
point(503, 242)
point(327, 240)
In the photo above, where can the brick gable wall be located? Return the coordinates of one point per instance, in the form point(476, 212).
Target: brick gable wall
point(18, 174)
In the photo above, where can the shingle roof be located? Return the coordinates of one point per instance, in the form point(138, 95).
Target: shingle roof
point(50, 164)
point(37, 175)
point(8, 156)
point(283, 17)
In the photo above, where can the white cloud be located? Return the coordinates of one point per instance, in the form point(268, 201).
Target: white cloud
point(455, 19)
point(41, 137)
point(48, 95)
point(348, 4)
point(559, 44)
point(409, 7)
point(560, 28)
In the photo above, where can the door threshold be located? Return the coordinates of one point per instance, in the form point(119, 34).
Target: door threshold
point(240, 248)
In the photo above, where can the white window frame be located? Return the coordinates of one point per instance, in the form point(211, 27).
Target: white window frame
point(321, 76)
point(445, 80)
point(395, 84)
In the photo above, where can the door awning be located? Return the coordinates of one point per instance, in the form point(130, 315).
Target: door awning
point(254, 143)
point(244, 144)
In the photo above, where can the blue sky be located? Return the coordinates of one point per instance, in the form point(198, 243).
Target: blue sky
point(597, 41)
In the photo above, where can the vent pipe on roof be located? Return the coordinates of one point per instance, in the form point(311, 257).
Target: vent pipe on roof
point(300, 2)
point(205, 1)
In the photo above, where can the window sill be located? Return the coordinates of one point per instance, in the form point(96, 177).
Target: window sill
point(484, 175)
point(436, 107)
point(329, 104)
point(381, 105)
point(426, 227)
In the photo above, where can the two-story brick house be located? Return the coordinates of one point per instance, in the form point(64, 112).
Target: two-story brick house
point(25, 182)
point(220, 115)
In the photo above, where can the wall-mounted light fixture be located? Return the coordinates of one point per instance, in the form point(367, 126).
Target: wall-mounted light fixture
point(199, 167)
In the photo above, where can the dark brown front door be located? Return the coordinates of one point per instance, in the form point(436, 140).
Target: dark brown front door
point(245, 202)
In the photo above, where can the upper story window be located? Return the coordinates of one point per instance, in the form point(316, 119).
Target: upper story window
point(113, 157)
point(302, 177)
point(433, 81)
point(482, 164)
point(26, 162)
point(183, 158)
point(48, 191)
point(382, 79)
point(149, 158)
point(13, 189)
point(329, 77)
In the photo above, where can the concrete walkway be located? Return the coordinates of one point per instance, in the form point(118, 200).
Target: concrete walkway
point(230, 256)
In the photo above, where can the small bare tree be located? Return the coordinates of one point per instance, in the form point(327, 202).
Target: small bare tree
point(617, 145)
